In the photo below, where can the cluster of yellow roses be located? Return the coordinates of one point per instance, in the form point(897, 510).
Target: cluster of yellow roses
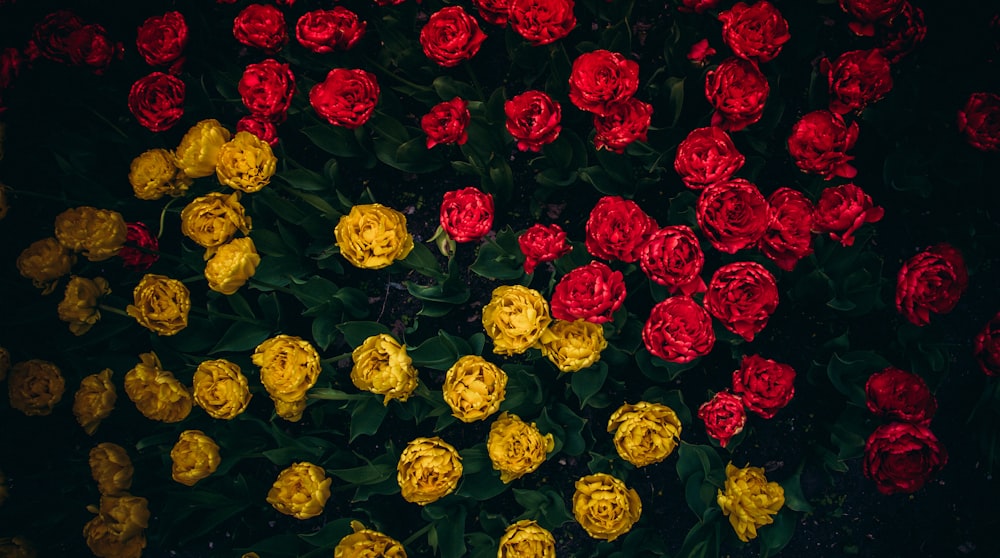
point(118, 528)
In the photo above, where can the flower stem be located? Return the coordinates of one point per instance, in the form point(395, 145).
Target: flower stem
point(423, 530)
point(214, 314)
point(330, 394)
point(396, 76)
point(113, 310)
point(163, 216)
point(337, 358)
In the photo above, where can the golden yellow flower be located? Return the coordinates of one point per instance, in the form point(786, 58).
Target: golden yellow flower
point(301, 490)
point(515, 318)
point(515, 447)
point(111, 468)
point(246, 163)
point(233, 264)
point(213, 219)
point(160, 304)
point(526, 539)
point(124, 514)
point(105, 544)
point(35, 386)
point(429, 469)
point(749, 500)
point(198, 152)
point(154, 174)
point(289, 366)
point(382, 366)
point(98, 233)
point(194, 456)
point(45, 261)
point(155, 392)
point(605, 507)
point(94, 400)
point(367, 543)
point(645, 433)
point(4, 363)
point(474, 388)
point(573, 346)
point(221, 389)
point(79, 304)
point(17, 547)
point(373, 236)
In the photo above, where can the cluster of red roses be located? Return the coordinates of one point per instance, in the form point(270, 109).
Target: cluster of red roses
point(157, 99)
point(760, 385)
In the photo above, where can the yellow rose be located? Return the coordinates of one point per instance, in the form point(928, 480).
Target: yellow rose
point(105, 544)
point(4, 362)
point(35, 386)
point(366, 543)
point(372, 236)
point(526, 539)
point(125, 515)
point(213, 219)
point(111, 468)
point(749, 500)
point(573, 346)
point(645, 433)
point(515, 447)
point(246, 163)
point(301, 491)
point(198, 152)
point(154, 174)
point(289, 366)
point(45, 261)
point(17, 547)
point(160, 304)
point(232, 266)
point(605, 507)
point(94, 400)
point(474, 388)
point(382, 366)
point(515, 318)
point(155, 392)
point(79, 304)
point(429, 469)
point(194, 456)
point(98, 233)
point(221, 389)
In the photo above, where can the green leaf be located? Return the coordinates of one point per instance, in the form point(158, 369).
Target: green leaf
point(588, 382)
point(366, 417)
point(448, 88)
point(848, 373)
point(242, 336)
point(794, 498)
point(334, 140)
point(366, 474)
point(355, 333)
point(304, 179)
point(330, 534)
point(776, 536)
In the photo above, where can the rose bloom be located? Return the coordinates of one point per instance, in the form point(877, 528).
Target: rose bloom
point(246, 163)
point(44, 262)
point(737, 90)
point(373, 236)
point(221, 389)
point(979, 121)
point(347, 97)
point(868, 12)
point(154, 174)
point(765, 386)
point(788, 238)
point(601, 79)
point(724, 416)
point(98, 233)
point(526, 539)
point(593, 292)
point(161, 39)
point(495, 12)
point(104, 543)
point(754, 32)
point(474, 388)
point(382, 366)
point(572, 345)
point(157, 101)
point(467, 214)
point(931, 281)
point(155, 392)
point(900, 457)
point(111, 468)
point(733, 215)
point(289, 367)
point(623, 124)
point(301, 490)
point(742, 295)
point(645, 433)
point(118, 528)
point(133, 256)
point(451, 36)
point(700, 52)
point(542, 243)
point(617, 228)
point(197, 154)
point(266, 88)
point(194, 456)
point(900, 395)
point(905, 32)
point(515, 318)
point(160, 304)
point(214, 219)
point(707, 156)
point(261, 26)
point(50, 36)
point(368, 543)
point(323, 31)
point(985, 347)
point(541, 22)
point(446, 123)
point(673, 257)
point(605, 507)
point(35, 387)
point(533, 119)
point(857, 78)
point(428, 469)
point(749, 500)
point(841, 210)
point(232, 265)
point(517, 448)
point(260, 127)
point(91, 46)
point(678, 330)
point(79, 304)
point(819, 143)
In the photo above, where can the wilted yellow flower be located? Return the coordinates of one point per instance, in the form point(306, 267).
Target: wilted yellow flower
point(526, 539)
point(749, 500)
point(301, 490)
point(198, 152)
point(605, 507)
point(45, 261)
point(4, 363)
point(232, 265)
point(429, 469)
point(17, 547)
point(194, 456)
point(515, 447)
point(105, 544)
point(367, 543)
point(160, 304)
point(382, 366)
point(645, 433)
point(111, 468)
point(515, 318)
point(125, 515)
point(246, 163)
point(79, 304)
point(213, 219)
point(573, 346)
point(474, 388)
point(221, 389)
point(155, 392)
point(98, 233)
point(154, 174)
point(372, 236)
point(94, 400)
point(35, 386)
point(289, 366)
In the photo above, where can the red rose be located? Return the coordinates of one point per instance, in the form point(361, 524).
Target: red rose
point(738, 91)
point(157, 101)
point(697, 6)
point(261, 26)
point(706, 156)
point(533, 119)
point(700, 52)
point(10, 66)
point(764, 385)
point(50, 36)
point(733, 215)
point(139, 251)
point(900, 395)
point(91, 46)
point(742, 295)
point(592, 292)
point(451, 36)
point(788, 238)
point(979, 121)
point(624, 123)
point(906, 31)
point(267, 88)
point(541, 243)
point(617, 229)
point(259, 126)
point(347, 97)
point(541, 22)
point(931, 281)
point(841, 210)
point(819, 144)
point(678, 330)
point(446, 123)
point(466, 214)
point(755, 32)
point(323, 31)
point(672, 257)
point(493, 11)
point(161, 39)
point(601, 79)
point(902, 457)
point(857, 79)
point(868, 12)
point(724, 416)
point(986, 347)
